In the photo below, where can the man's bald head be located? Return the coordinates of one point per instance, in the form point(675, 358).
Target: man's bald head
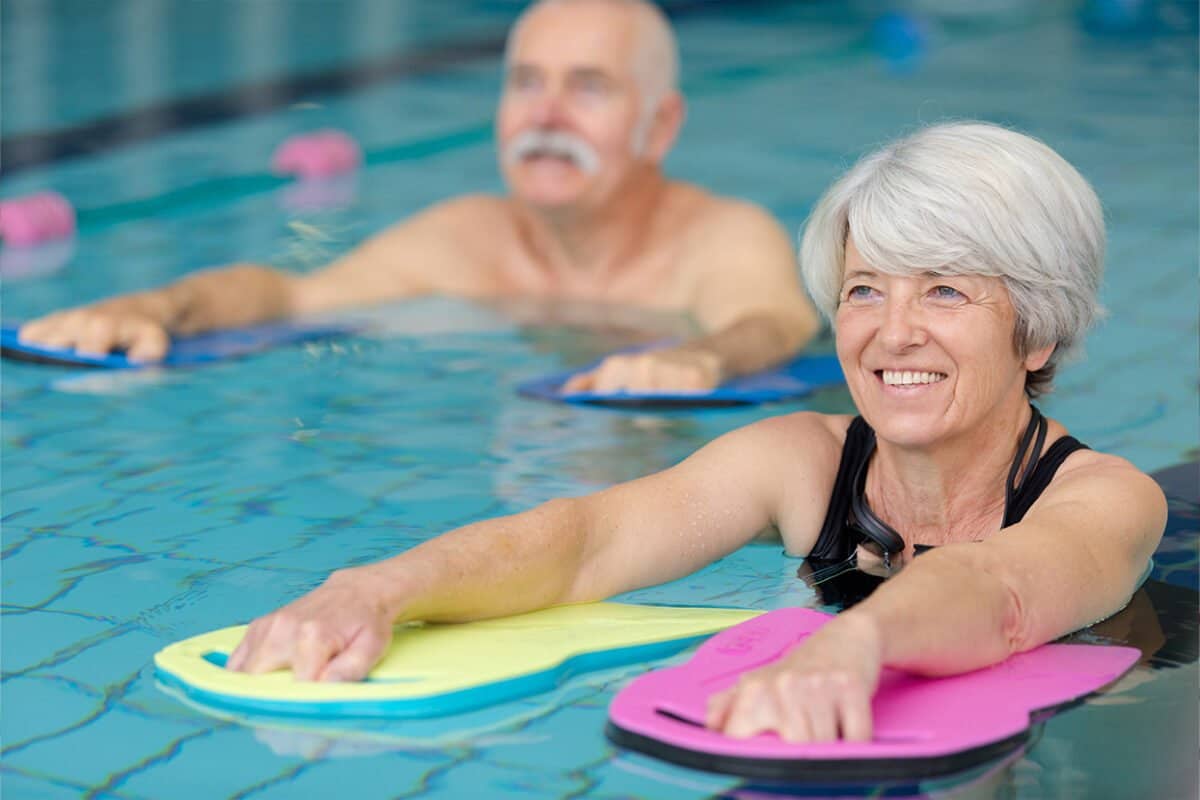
point(589, 107)
point(655, 52)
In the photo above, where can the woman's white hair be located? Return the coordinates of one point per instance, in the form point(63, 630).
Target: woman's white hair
point(971, 198)
point(656, 53)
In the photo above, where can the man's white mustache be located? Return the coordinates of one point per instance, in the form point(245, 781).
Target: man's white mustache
point(553, 143)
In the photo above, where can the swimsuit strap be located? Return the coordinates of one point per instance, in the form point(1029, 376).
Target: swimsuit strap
point(864, 520)
point(832, 543)
point(1039, 478)
point(1037, 426)
point(849, 517)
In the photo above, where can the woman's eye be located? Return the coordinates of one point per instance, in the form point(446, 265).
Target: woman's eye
point(860, 292)
point(947, 293)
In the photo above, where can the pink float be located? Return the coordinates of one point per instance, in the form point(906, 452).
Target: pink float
point(923, 727)
point(36, 218)
point(320, 154)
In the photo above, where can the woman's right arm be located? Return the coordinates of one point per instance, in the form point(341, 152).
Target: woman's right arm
point(636, 534)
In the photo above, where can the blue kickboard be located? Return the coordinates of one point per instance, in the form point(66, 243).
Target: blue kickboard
point(185, 351)
point(796, 378)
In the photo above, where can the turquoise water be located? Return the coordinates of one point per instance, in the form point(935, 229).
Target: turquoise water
point(141, 509)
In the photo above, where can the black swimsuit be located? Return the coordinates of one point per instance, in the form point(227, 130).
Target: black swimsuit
point(839, 537)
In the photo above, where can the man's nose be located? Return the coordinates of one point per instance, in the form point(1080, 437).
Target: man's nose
point(549, 110)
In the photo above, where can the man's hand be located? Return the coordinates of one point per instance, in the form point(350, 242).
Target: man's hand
point(676, 369)
point(97, 330)
point(335, 633)
point(819, 692)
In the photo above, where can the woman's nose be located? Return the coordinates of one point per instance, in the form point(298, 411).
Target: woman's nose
point(902, 327)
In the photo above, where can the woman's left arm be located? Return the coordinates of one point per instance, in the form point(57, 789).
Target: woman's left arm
point(1074, 559)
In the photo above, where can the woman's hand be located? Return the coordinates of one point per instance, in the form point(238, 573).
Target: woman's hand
point(335, 633)
point(820, 691)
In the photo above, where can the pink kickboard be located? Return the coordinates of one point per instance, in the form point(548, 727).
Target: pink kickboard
point(914, 717)
point(36, 218)
point(320, 154)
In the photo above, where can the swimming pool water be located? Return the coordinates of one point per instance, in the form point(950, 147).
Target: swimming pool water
point(141, 509)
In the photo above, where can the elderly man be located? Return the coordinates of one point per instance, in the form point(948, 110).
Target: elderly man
point(589, 111)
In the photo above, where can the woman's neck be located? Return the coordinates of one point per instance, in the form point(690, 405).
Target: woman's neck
point(955, 491)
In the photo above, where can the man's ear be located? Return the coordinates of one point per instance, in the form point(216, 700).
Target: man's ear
point(665, 127)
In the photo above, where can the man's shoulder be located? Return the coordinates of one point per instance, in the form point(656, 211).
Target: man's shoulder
point(468, 227)
point(452, 237)
point(709, 215)
point(469, 210)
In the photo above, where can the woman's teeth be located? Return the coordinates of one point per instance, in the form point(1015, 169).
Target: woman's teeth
point(906, 378)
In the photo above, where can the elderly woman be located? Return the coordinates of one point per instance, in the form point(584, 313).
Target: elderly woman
point(959, 266)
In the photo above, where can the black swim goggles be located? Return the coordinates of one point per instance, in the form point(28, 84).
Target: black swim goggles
point(882, 539)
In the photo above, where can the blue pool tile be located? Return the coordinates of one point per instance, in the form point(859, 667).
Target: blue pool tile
point(113, 743)
point(39, 707)
point(14, 784)
point(39, 637)
point(395, 774)
point(110, 663)
point(231, 537)
point(635, 775)
point(47, 565)
point(314, 500)
point(144, 585)
point(201, 767)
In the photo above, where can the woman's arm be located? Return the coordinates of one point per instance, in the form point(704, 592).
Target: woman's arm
point(635, 534)
point(1073, 560)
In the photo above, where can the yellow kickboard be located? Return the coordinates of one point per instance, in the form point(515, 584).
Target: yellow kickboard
point(436, 669)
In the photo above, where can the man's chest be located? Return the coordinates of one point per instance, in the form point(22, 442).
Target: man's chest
point(653, 280)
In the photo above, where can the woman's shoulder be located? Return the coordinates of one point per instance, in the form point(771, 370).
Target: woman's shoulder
point(1084, 460)
point(811, 426)
point(1104, 477)
point(1102, 498)
point(799, 455)
point(803, 439)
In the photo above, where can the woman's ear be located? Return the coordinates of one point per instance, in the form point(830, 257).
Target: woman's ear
point(1037, 359)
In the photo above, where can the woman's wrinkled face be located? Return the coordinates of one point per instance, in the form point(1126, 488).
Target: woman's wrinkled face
point(928, 357)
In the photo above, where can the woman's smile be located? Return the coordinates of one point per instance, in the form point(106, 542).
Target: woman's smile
point(895, 377)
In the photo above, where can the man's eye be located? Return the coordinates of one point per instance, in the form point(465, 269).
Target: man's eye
point(591, 85)
point(522, 81)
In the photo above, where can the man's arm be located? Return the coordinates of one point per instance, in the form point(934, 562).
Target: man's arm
point(750, 302)
point(744, 290)
point(414, 256)
point(141, 323)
